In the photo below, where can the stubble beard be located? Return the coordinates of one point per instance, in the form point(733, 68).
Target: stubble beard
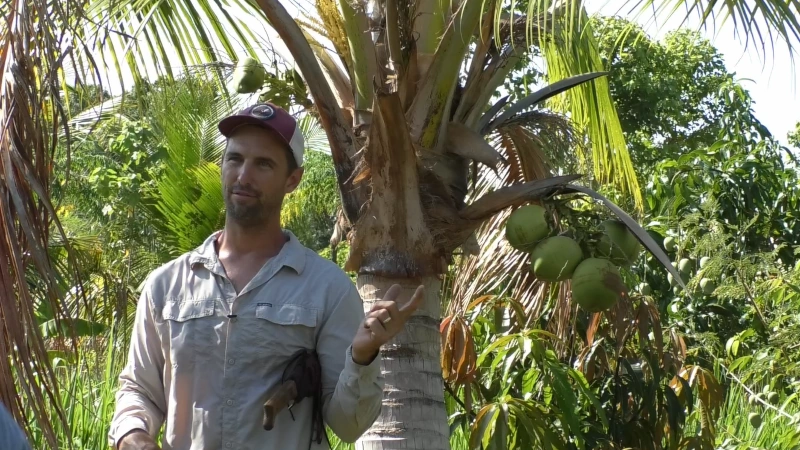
point(249, 216)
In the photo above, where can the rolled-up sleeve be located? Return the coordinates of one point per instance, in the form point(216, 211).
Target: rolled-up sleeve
point(352, 392)
point(140, 402)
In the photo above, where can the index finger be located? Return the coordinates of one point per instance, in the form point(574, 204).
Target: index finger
point(415, 302)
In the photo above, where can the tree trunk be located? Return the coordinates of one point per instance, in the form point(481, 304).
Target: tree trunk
point(413, 414)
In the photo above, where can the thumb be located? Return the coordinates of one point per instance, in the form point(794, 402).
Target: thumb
point(414, 303)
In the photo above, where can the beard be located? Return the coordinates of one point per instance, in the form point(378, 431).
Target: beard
point(254, 214)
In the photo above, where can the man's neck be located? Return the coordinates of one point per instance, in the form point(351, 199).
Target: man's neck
point(263, 241)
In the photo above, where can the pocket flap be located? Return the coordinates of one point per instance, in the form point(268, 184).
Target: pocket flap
point(287, 314)
point(184, 310)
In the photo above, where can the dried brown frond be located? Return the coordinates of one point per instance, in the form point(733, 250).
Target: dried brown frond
point(527, 152)
point(547, 140)
point(532, 143)
point(562, 319)
point(35, 39)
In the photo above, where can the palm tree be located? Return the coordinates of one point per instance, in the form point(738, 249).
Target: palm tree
point(405, 92)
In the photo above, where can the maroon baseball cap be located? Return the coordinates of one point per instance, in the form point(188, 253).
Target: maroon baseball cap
point(273, 117)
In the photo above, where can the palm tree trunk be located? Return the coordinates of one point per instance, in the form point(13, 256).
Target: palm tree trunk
point(413, 414)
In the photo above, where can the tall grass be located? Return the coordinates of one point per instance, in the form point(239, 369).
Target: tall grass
point(88, 385)
point(734, 430)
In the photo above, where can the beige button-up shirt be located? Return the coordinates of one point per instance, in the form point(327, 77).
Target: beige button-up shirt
point(203, 358)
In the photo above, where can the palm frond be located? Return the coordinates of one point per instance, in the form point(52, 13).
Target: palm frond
point(143, 34)
point(499, 269)
point(35, 39)
point(762, 23)
point(314, 135)
point(574, 51)
point(186, 202)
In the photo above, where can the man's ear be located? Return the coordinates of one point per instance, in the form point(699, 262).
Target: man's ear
point(294, 179)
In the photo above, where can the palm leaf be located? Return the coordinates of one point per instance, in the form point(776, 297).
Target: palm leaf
point(537, 97)
point(779, 20)
point(145, 33)
point(35, 39)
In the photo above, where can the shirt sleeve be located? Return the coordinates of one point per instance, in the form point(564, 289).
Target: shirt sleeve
point(11, 435)
point(352, 393)
point(140, 402)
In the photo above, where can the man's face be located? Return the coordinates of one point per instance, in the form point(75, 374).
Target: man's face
point(256, 176)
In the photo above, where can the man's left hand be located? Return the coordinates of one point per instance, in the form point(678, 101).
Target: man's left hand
point(384, 321)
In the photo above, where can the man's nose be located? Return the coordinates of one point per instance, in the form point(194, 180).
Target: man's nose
point(244, 173)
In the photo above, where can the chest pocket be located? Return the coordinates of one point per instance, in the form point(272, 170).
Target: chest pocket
point(282, 329)
point(190, 327)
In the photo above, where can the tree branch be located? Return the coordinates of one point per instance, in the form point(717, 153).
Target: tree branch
point(339, 79)
point(500, 199)
point(362, 53)
point(340, 134)
point(430, 110)
point(393, 37)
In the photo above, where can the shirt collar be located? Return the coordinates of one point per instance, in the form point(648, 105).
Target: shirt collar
point(293, 253)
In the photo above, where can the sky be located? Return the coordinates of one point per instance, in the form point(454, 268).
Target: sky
point(771, 80)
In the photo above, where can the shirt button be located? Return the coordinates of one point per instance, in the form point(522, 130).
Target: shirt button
point(229, 445)
point(229, 402)
point(231, 361)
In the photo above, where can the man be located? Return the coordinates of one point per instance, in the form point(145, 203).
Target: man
point(216, 327)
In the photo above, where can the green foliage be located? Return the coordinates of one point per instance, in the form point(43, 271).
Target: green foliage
point(87, 389)
point(309, 212)
point(670, 95)
point(666, 370)
point(794, 136)
point(186, 203)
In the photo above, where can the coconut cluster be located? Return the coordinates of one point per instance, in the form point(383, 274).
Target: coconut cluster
point(595, 281)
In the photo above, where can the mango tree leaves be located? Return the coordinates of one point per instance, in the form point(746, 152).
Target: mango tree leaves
point(491, 429)
point(709, 393)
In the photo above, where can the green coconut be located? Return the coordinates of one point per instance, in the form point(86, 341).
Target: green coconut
point(555, 258)
point(670, 244)
point(707, 285)
point(618, 244)
point(704, 261)
point(755, 419)
point(645, 289)
point(526, 226)
point(248, 76)
point(596, 284)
